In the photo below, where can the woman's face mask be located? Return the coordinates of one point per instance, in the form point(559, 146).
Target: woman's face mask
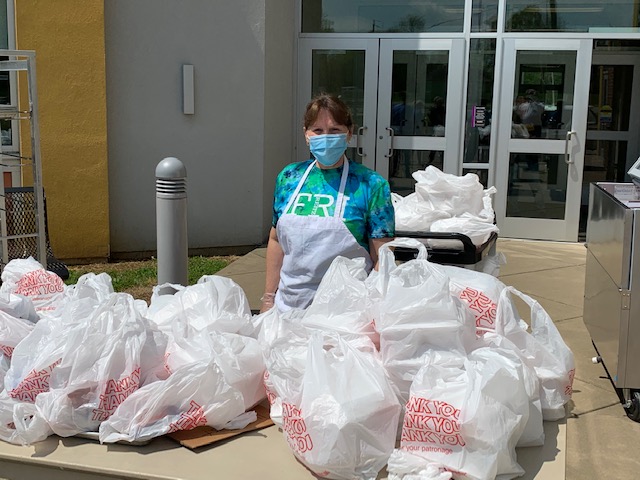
point(328, 149)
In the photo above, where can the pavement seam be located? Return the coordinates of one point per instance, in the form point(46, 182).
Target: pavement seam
point(502, 277)
point(578, 415)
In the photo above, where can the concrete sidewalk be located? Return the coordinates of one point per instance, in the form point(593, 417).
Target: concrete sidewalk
point(597, 441)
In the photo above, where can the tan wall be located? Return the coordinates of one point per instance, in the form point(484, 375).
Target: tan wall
point(68, 38)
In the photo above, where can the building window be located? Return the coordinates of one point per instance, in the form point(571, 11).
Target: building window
point(382, 16)
point(572, 16)
point(484, 16)
point(7, 79)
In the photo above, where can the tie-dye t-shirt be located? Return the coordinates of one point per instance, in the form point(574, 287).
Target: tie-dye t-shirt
point(368, 213)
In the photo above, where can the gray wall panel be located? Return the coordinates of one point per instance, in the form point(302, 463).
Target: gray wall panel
point(229, 163)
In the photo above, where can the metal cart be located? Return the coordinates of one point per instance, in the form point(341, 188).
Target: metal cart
point(612, 287)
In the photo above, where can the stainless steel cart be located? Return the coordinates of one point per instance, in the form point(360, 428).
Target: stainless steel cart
point(612, 286)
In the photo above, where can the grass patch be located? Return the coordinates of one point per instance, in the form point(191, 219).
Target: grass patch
point(138, 278)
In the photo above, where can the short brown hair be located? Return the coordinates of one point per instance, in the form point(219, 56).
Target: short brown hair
point(331, 103)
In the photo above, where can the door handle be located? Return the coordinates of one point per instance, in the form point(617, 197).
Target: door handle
point(567, 156)
point(359, 149)
point(391, 134)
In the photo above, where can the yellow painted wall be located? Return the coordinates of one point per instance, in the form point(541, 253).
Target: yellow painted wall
point(68, 38)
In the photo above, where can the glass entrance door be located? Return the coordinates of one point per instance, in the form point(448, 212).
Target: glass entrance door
point(613, 143)
point(419, 109)
point(542, 134)
point(406, 98)
point(349, 69)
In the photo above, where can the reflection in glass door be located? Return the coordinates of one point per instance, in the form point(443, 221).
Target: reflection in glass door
point(406, 106)
point(542, 128)
point(419, 111)
point(613, 143)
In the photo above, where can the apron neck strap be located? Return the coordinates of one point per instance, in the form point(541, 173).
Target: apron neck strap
point(343, 182)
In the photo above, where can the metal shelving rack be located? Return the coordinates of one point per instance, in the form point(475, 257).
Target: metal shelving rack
point(22, 219)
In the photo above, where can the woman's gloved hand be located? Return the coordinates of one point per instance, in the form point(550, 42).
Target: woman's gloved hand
point(267, 300)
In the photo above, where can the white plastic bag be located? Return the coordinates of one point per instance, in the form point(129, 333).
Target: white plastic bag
point(474, 227)
point(283, 332)
point(35, 357)
point(340, 415)
point(478, 291)
point(12, 331)
point(544, 350)
point(491, 264)
point(341, 303)
point(18, 306)
point(239, 357)
point(164, 308)
point(414, 214)
point(26, 276)
point(449, 193)
point(460, 414)
point(215, 303)
point(4, 366)
point(417, 313)
point(97, 287)
point(406, 466)
point(478, 227)
point(533, 434)
point(105, 360)
point(20, 422)
point(32, 362)
point(196, 394)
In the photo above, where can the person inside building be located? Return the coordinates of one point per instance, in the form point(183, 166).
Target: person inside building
point(323, 207)
point(530, 112)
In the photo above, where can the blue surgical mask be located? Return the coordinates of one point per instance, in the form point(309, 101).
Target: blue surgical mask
point(327, 149)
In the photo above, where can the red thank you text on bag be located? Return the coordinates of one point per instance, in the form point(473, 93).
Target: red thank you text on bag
point(35, 383)
point(295, 429)
point(6, 350)
point(190, 419)
point(432, 423)
point(115, 393)
point(483, 308)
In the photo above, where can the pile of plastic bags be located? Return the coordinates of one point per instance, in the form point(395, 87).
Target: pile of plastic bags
point(473, 381)
point(431, 359)
point(97, 361)
point(447, 203)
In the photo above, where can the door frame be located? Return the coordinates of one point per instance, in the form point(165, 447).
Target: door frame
point(565, 229)
point(363, 139)
point(372, 139)
point(450, 142)
point(630, 136)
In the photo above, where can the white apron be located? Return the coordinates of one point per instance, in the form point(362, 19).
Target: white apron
point(310, 244)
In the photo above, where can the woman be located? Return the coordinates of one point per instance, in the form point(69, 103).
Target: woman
point(323, 207)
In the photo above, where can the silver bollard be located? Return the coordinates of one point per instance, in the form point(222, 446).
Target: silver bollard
point(171, 223)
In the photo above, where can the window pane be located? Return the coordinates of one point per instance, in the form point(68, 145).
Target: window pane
point(484, 16)
point(419, 92)
point(5, 96)
point(543, 95)
point(610, 97)
point(604, 161)
point(4, 29)
point(341, 73)
point(616, 45)
point(571, 15)
point(537, 186)
point(479, 99)
point(382, 16)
